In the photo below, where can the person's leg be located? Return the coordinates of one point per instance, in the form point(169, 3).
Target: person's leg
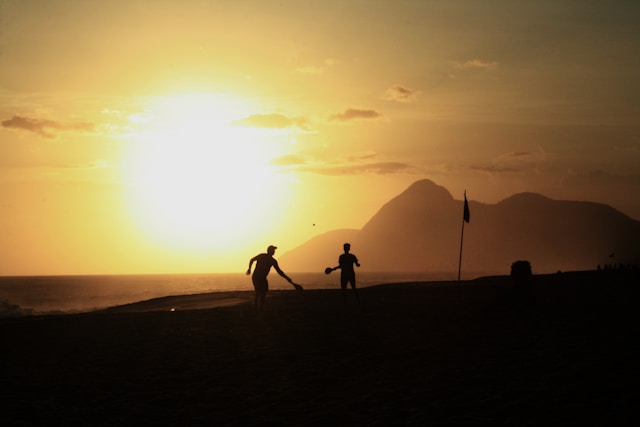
point(343, 286)
point(260, 285)
point(355, 291)
point(264, 294)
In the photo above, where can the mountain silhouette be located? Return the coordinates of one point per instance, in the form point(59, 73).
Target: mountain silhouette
point(420, 229)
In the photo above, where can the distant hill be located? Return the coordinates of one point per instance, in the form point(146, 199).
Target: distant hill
point(420, 229)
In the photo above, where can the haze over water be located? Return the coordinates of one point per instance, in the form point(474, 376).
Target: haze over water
point(47, 294)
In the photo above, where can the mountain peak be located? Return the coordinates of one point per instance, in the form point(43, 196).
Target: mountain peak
point(419, 230)
point(425, 188)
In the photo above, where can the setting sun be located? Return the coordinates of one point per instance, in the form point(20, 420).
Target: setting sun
point(198, 180)
point(185, 136)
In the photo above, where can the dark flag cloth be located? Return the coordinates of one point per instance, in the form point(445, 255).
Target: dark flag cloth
point(466, 209)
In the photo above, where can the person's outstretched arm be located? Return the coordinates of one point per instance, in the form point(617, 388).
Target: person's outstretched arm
point(280, 272)
point(287, 278)
point(339, 266)
point(251, 261)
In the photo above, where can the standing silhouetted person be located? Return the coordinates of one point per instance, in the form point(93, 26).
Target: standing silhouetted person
point(264, 262)
point(346, 261)
point(521, 275)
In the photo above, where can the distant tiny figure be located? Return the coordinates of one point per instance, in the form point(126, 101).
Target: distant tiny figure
point(264, 262)
point(346, 261)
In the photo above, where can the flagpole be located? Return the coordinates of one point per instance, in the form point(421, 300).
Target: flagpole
point(460, 259)
point(465, 218)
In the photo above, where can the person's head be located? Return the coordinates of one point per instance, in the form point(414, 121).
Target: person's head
point(271, 249)
point(347, 247)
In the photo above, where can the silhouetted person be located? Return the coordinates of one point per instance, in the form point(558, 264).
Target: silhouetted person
point(264, 262)
point(346, 261)
point(522, 275)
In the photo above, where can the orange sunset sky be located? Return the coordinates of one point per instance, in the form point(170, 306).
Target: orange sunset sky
point(159, 136)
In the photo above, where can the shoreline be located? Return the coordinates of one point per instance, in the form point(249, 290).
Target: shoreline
point(208, 300)
point(55, 295)
point(218, 299)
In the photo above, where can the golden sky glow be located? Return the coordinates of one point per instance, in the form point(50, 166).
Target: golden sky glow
point(185, 136)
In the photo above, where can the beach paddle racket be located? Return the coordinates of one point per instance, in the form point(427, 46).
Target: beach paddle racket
point(328, 270)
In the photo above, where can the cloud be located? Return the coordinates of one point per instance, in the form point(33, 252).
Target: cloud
point(352, 168)
point(399, 93)
point(362, 156)
point(44, 127)
point(515, 158)
point(494, 169)
point(271, 121)
point(478, 64)
point(354, 114)
point(315, 69)
point(378, 168)
point(365, 162)
point(515, 162)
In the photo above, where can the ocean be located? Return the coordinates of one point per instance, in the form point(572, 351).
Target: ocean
point(37, 295)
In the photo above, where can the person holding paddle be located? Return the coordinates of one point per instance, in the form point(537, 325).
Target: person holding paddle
point(264, 262)
point(346, 261)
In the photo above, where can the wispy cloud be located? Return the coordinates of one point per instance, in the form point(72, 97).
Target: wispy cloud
point(354, 114)
point(44, 127)
point(271, 121)
point(400, 93)
point(377, 168)
point(360, 163)
point(363, 156)
point(316, 69)
point(493, 168)
point(516, 158)
point(476, 63)
point(515, 162)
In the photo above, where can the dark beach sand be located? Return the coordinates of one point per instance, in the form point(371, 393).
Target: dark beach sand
point(413, 354)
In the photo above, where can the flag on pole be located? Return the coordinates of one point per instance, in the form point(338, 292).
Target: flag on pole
point(466, 208)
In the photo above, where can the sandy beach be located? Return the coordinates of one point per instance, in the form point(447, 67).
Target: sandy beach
point(411, 354)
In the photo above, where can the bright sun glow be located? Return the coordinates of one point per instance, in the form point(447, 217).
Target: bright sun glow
point(199, 181)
